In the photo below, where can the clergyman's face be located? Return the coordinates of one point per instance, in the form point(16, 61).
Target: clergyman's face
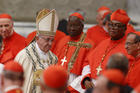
point(6, 27)
point(74, 26)
point(116, 29)
point(45, 42)
point(99, 17)
point(131, 47)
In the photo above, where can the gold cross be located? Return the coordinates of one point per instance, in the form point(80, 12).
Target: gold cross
point(98, 70)
point(78, 45)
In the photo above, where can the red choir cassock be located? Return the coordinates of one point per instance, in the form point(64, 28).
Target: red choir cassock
point(12, 45)
point(98, 58)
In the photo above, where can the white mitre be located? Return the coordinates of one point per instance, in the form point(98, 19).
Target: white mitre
point(47, 22)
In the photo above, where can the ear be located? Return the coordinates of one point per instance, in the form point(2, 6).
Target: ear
point(138, 45)
point(21, 83)
point(2, 81)
point(11, 23)
point(36, 38)
point(125, 28)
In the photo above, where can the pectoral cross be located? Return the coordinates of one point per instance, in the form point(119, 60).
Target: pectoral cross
point(98, 70)
point(80, 44)
point(63, 60)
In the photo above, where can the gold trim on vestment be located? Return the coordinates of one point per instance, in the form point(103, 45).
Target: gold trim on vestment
point(49, 33)
point(36, 77)
point(78, 45)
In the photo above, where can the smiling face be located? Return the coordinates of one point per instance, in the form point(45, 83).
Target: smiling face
point(44, 42)
point(116, 30)
point(131, 46)
point(75, 26)
point(6, 27)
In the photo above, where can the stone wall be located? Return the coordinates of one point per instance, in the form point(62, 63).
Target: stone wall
point(134, 10)
point(25, 10)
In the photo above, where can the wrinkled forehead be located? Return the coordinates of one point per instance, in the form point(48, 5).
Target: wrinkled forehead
point(131, 37)
point(46, 36)
point(5, 20)
point(74, 18)
point(115, 21)
point(101, 13)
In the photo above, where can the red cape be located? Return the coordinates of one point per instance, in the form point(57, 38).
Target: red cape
point(133, 75)
point(61, 50)
point(12, 46)
point(95, 56)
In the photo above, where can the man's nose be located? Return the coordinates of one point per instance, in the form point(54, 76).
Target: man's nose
point(50, 42)
point(126, 46)
point(3, 28)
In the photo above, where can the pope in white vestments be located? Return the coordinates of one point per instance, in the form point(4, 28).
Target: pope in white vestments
point(37, 56)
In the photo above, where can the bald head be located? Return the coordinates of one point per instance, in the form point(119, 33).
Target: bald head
point(118, 61)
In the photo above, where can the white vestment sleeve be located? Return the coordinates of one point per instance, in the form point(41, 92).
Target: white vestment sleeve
point(1, 70)
point(27, 66)
point(76, 83)
point(86, 70)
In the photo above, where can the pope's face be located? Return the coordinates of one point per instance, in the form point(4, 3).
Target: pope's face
point(6, 27)
point(74, 27)
point(45, 42)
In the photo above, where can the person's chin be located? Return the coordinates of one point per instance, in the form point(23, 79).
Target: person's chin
point(4, 37)
point(73, 35)
point(113, 36)
point(129, 52)
point(46, 51)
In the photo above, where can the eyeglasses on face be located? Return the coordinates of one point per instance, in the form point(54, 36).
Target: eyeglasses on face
point(118, 25)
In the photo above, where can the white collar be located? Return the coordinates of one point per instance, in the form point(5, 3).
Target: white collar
point(39, 50)
point(1, 68)
point(105, 29)
point(42, 54)
point(11, 88)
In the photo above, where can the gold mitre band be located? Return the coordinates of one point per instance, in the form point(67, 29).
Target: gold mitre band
point(41, 14)
point(48, 33)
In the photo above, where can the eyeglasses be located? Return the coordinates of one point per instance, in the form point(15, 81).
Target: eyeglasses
point(130, 43)
point(74, 26)
point(117, 25)
point(47, 39)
